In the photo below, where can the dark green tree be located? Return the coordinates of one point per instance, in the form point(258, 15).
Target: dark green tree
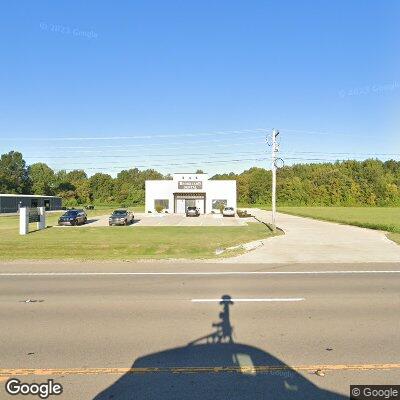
point(14, 176)
point(102, 187)
point(42, 179)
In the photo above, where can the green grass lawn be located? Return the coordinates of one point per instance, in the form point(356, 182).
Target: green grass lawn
point(11, 222)
point(104, 243)
point(395, 237)
point(383, 218)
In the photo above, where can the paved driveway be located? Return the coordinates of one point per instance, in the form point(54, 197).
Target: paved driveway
point(308, 240)
point(142, 219)
point(182, 220)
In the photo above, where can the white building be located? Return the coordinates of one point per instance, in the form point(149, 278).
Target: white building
point(185, 190)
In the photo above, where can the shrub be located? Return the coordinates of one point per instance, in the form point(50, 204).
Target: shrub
point(243, 214)
point(159, 208)
point(71, 203)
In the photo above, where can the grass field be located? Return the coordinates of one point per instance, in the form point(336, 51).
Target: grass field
point(127, 243)
point(382, 218)
point(395, 237)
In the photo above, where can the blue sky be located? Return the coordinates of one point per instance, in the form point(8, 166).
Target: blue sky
point(181, 85)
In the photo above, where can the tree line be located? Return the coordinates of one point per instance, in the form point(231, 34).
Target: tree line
point(75, 187)
point(346, 183)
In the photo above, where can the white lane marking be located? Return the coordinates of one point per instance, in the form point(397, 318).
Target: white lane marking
point(4, 274)
point(248, 300)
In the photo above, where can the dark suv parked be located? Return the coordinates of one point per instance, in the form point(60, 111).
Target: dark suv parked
point(73, 217)
point(120, 217)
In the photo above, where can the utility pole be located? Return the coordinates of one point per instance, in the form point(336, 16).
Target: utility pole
point(275, 150)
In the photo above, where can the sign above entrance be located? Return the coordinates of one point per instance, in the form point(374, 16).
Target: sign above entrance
point(190, 185)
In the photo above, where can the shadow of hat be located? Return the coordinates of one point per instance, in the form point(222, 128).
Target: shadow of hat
point(226, 299)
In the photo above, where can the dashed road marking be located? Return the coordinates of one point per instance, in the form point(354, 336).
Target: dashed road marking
point(248, 300)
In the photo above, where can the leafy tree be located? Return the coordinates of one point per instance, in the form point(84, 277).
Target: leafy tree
point(79, 180)
point(130, 184)
point(43, 179)
point(14, 176)
point(348, 183)
point(102, 187)
point(73, 187)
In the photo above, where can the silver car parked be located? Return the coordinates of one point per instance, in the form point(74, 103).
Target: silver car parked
point(120, 217)
point(228, 212)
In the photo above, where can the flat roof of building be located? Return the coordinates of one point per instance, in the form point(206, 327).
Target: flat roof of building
point(25, 195)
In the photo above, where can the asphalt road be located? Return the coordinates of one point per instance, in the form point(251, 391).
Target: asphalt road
point(166, 336)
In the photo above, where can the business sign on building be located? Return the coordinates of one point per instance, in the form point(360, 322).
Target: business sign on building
point(189, 190)
point(187, 185)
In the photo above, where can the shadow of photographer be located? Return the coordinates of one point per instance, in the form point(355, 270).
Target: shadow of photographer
point(214, 367)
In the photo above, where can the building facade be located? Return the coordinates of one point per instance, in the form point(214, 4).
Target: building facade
point(10, 203)
point(185, 190)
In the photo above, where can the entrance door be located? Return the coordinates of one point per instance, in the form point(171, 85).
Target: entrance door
point(200, 205)
point(184, 200)
point(180, 206)
point(190, 203)
point(47, 204)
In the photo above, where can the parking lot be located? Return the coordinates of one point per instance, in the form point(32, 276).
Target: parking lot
point(142, 219)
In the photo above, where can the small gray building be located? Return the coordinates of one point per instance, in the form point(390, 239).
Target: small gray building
point(10, 203)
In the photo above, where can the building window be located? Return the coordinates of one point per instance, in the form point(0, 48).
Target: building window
point(217, 204)
point(164, 203)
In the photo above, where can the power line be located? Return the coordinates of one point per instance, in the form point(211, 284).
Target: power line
point(211, 155)
point(322, 133)
point(142, 145)
point(216, 158)
point(146, 136)
point(177, 164)
point(341, 153)
point(198, 145)
point(199, 163)
point(103, 151)
point(123, 149)
point(153, 160)
point(288, 131)
point(150, 155)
